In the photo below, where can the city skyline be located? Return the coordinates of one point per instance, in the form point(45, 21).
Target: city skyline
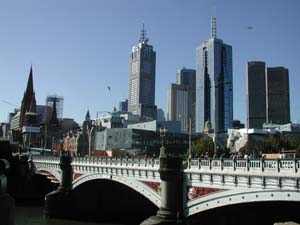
point(78, 50)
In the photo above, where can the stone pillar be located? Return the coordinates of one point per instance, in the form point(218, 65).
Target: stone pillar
point(7, 203)
point(56, 202)
point(171, 209)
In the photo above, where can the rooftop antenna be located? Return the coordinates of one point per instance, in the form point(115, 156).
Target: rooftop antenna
point(213, 22)
point(143, 38)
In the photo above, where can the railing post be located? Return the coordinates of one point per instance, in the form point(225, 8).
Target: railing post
point(278, 165)
point(248, 164)
point(234, 163)
point(262, 164)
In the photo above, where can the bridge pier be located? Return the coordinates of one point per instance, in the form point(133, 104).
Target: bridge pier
point(7, 203)
point(171, 209)
point(56, 202)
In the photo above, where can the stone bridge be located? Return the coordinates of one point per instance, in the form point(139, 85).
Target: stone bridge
point(182, 188)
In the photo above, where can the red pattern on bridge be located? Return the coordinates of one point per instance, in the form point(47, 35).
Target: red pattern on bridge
point(195, 192)
point(153, 185)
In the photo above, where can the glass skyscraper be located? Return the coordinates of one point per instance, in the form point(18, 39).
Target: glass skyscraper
point(141, 97)
point(278, 95)
point(256, 94)
point(214, 94)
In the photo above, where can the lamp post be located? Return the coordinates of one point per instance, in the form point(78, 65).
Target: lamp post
point(45, 142)
point(90, 130)
point(163, 131)
point(190, 137)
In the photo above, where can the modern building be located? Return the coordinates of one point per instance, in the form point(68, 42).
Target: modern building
point(278, 95)
point(43, 113)
point(161, 115)
point(214, 94)
point(267, 95)
point(141, 97)
point(178, 105)
point(256, 94)
point(123, 106)
point(154, 125)
point(188, 77)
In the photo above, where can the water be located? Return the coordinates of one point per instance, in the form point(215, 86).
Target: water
point(33, 215)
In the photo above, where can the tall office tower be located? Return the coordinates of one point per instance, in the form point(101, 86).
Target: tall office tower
point(214, 101)
point(178, 105)
point(188, 77)
point(278, 96)
point(256, 94)
point(141, 97)
point(59, 102)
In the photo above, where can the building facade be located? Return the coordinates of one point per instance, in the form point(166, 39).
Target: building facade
point(141, 97)
point(256, 94)
point(123, 106)
point(188, 77)
point(214, 94)
point(278, 95)
point(178, 105)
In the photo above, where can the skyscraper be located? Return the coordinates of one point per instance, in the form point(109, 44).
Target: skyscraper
point(188, 77)
point(141, 97)
point(278, 97)
point(123, 106)
point(256, 94)
point(214, 94)
point(178, 105)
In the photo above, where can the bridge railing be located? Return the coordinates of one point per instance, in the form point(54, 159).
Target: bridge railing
point(245, 165)
point(122, 162)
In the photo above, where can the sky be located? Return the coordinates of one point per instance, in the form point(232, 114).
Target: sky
point(77, 48)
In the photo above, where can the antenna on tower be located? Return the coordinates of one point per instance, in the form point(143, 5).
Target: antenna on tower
point(143, 38)
point(213, 21)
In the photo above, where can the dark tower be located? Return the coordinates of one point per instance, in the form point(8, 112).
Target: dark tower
point(28, 102)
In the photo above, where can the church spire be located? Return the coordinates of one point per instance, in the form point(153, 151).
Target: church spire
point(29, 88)
point(143, 38)
point(87, 116)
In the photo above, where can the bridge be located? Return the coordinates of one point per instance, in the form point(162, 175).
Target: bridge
point(182, 188)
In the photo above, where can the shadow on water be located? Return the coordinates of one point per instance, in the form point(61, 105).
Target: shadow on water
point(33, 215)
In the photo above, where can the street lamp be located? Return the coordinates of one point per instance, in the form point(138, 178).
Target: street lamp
point(90, 130)
point(163, 132)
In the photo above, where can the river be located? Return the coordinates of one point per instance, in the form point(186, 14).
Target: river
point(33, 215)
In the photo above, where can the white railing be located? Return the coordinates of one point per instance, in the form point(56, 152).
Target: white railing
point(261, 165)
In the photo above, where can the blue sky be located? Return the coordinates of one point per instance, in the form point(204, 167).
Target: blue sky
point(78, 48)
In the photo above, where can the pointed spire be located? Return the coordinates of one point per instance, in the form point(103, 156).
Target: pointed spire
point(32, 107)
point(54, 119)
point(213, 27)
point(143, 38)
point(87, 116)
point(29, 88)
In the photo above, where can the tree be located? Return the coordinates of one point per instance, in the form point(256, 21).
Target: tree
point(202, 147)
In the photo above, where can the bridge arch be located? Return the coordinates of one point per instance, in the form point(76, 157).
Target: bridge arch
point(232, 197)
point(136, 185)
point(53, 172)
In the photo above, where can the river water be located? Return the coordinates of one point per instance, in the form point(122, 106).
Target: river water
point(33, 215)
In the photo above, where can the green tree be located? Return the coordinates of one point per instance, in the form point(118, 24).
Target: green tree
point(202, 147)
